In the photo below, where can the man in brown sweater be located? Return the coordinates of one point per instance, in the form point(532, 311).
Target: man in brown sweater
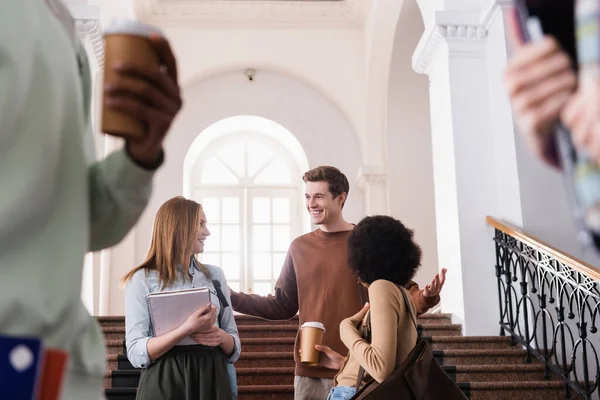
point(316, 281)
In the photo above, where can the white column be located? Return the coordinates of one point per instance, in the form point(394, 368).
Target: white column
point(463, 53)
point(372, 181)
point(87, 24)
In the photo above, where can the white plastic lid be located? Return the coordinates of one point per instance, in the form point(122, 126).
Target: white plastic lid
point(313, 325)
point(131, 27)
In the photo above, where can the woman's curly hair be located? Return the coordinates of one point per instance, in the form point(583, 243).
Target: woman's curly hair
point(381, 247)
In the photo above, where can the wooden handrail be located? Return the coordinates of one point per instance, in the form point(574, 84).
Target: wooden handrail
point(581, 266)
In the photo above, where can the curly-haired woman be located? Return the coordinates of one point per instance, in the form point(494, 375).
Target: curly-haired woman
point(384, 256)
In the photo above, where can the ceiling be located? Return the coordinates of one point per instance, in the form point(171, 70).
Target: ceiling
point(252, 13)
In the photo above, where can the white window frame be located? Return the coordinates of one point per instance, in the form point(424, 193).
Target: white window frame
point(247, 189)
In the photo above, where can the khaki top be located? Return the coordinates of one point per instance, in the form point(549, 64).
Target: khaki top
point(393, 336)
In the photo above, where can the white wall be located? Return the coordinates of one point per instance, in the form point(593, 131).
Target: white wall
point(409, 154)
point(329, 60)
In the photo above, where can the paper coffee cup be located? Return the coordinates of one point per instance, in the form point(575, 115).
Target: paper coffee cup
point(126, 41)
point(311, 335)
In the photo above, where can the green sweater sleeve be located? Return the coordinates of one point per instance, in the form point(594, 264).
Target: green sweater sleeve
point(119, 191)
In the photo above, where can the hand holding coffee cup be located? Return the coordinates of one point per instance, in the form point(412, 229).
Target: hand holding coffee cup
point(311, 336)
point(141, 93)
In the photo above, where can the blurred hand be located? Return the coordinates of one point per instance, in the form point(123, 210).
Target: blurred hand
point(436, 285)
point(582, 117)
point(201, 320)
point(212, 337)
point(150, 95)
point(540, 80)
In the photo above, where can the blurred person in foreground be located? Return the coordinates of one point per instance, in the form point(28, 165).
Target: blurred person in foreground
point(541, 79)
point(57, 202)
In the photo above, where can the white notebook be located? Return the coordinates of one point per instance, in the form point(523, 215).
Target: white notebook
point(168, 310)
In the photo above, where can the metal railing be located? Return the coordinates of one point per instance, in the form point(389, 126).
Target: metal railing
point(550, 304)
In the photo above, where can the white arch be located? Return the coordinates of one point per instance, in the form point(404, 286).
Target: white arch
point(285, 70)
point(235, 124)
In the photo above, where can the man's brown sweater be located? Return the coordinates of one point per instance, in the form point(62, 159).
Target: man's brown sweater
point(316, 282)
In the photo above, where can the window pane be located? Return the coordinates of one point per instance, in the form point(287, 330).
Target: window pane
point(210, 258)
point(263, 288)
point(232, 155)
point(231, 238)
point(230, 262)
point(281, 210)
point(213, 242)
point(277, 172)
point(234, 286)
point(278, 260)
point(261, 238)
point(281, 237)
point(258, 155)
point(212, 209)
point(261, 265)
point(215, 173)
point(231, 209)
point(261, 209)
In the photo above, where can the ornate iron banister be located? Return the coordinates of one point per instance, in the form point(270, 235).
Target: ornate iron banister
point(550, 303)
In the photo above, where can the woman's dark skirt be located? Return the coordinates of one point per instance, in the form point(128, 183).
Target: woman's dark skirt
point(186, 373)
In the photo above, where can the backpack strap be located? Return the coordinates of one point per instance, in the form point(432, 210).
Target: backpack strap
point(366, 334)
point(412, 317)
point(222, 300)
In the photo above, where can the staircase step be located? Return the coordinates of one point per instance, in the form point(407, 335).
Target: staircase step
point(500, 373)
point(480, 357)
point(266, 392)
point(242, 319)
point(120, 393)
point(245, 377)
point(533, 390)
point(436, 329)
point(285, 375)
point(265, 359)
point(246, 331)
point(115, 346)
point(284, 344)
point(107, 321)
point(113, 332)
point(434, 318)
point(246, 360)
point(469, 342)
point(125, 378)
point(267, 331)
point(265, 376)
point(118, 361)
point(280, 331)
point(257, 392)
point(525, 390)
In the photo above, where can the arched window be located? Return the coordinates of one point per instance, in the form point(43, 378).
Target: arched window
point(250, 188)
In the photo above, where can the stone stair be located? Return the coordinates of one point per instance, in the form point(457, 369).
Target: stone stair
point(486, 368)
